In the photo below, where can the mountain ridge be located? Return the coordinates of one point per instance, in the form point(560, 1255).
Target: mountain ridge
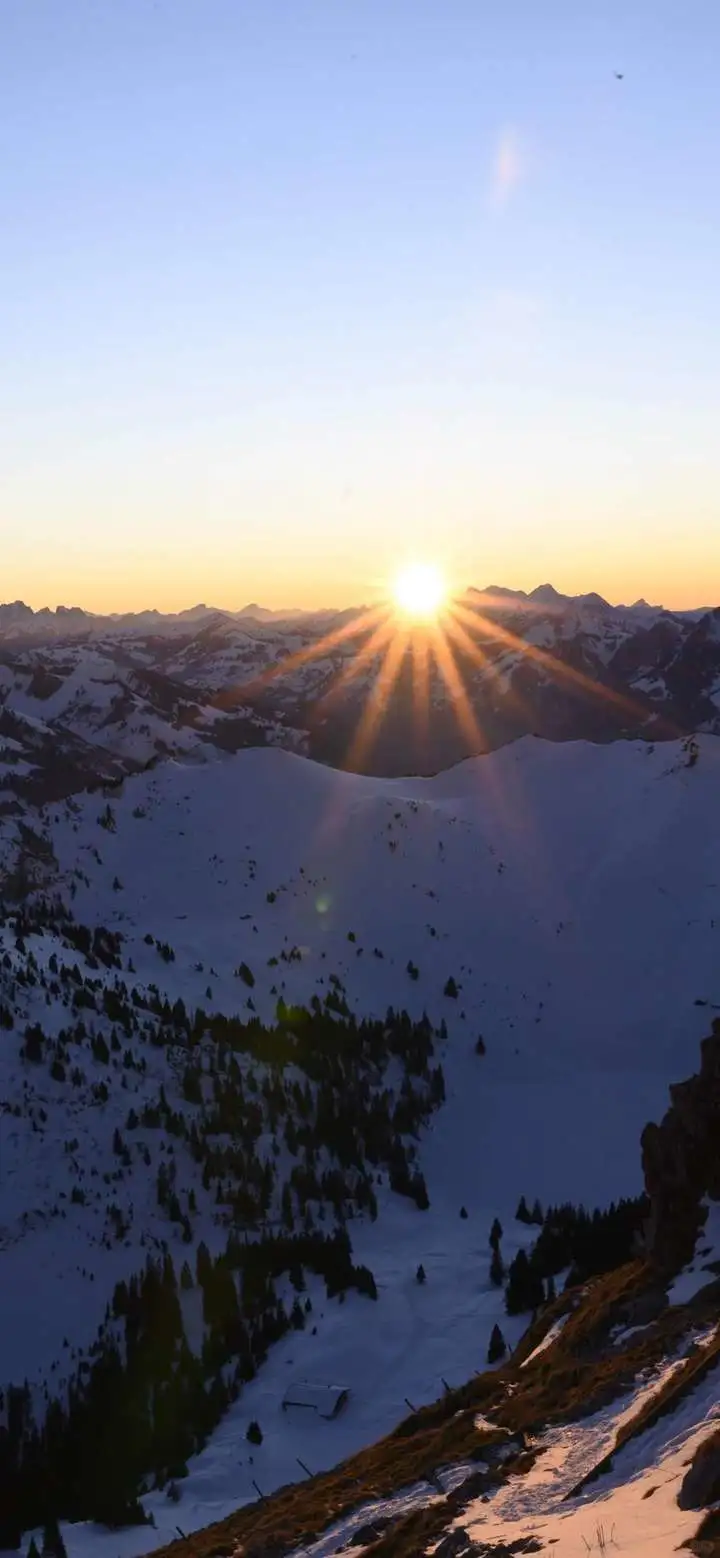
point(18, 618)
point(17, 615)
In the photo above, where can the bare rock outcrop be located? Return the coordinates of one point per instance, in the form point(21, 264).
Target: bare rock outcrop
point(681, 1160)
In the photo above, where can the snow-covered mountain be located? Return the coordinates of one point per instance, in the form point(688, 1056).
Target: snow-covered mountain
point(512, 664)
point(546, 916)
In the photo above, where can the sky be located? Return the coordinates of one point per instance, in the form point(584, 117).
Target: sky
point(295, 292)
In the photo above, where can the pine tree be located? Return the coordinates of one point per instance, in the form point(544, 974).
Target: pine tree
point(53, 1544)
point(496, 1234)
point(254, 1434)
point(203, 1263)
point(536, 1215)
point(419, 1191)
point(522, 1214)
point(420, 1274)
point(525, 1290)
point(498, 1347)
point(286, 1204)
point(497, 1268)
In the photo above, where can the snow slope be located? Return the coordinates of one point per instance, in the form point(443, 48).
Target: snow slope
point(112, 701)
point(572, 892)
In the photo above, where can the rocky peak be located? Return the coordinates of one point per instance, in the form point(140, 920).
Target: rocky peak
point(681, 1160)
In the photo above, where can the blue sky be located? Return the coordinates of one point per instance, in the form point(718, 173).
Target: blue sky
point(294, 290)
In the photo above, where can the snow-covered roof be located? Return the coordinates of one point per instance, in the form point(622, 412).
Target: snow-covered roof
point(326, 1400)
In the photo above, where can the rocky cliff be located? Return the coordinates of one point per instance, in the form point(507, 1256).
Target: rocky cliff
point(681, 1160)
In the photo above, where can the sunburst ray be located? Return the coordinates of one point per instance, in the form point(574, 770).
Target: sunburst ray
point(316, 651)
point(377, 641)
point(421, 684)
point(378, 700)
point(554, 665)
point(474, 652)
point(447, 667)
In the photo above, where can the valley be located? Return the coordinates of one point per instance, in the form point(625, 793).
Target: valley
point(546, 916)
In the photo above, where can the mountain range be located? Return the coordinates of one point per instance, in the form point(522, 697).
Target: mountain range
point(137, 688)
point(19, 620)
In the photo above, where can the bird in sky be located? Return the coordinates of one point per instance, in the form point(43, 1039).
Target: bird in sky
point(619, 75)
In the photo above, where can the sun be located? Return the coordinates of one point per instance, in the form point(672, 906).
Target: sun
point(419, 591)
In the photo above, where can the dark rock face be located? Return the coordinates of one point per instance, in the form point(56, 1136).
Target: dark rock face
point(459, 1545)
point(370, 1533)
point(700, 1486)
point(681, 1160)
point(643, 1309)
